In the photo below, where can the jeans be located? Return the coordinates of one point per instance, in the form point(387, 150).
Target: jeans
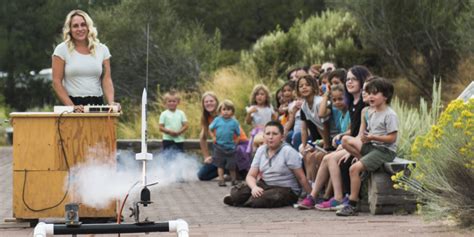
point(296, 141)
point(207, 172)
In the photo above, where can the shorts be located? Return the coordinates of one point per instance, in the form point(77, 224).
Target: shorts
point(373, 157)
point(224, 158)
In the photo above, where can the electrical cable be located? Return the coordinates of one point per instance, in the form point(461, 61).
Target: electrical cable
point(68, 174)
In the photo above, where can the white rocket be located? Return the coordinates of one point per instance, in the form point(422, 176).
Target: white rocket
point(144, 155)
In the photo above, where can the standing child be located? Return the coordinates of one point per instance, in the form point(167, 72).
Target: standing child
point(259, 113)
point(379, 144)
point(173, 123)
point(225, 127)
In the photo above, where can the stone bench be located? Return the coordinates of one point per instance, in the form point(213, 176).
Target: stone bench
point(382, 197)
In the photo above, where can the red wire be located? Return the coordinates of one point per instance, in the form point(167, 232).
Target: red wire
point(119, 216)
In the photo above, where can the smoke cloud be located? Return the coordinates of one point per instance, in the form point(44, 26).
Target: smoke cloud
point(97, 182)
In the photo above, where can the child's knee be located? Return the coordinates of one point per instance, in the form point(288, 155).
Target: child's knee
point(346, 139)
point(356, 169)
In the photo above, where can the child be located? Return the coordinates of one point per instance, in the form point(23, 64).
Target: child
point(307, 88)
point(283, 101)
point(173, 123)
point(337, 76)
point(379, 143)
point(324, 82)
point(338, 112)
point(225, 127)
point(330, 165)
point(259, 112)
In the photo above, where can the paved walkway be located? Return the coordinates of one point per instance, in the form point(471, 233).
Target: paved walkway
point(200, 204)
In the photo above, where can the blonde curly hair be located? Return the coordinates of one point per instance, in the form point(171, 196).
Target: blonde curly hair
point(92, 39)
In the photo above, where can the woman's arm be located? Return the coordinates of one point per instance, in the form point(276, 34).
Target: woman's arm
point(107, 84)
point(57, 65)
point(299, 173)
point(203, 142)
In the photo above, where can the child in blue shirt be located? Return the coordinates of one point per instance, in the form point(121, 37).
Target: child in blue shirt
point(226, 131)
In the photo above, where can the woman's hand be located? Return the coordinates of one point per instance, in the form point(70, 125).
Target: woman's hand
point(257, 192)
point(119, 108)
point(208, 160)
point(78, 109)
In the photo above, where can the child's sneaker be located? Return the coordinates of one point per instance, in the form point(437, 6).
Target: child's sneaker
point(307, 203)
point(329, 205)
point(344, 202)
point(347, 210)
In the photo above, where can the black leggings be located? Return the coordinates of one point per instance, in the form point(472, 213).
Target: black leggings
point(346, 180)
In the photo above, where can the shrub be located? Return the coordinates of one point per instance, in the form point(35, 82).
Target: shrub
point(328, 37)
point(444, 174)
point(415, 121)
point(228, 83)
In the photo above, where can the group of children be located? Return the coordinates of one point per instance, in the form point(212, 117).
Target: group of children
point(340, 121)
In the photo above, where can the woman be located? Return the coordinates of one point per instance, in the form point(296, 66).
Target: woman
point(275, 177)
point(81, 64)
point(208, 171)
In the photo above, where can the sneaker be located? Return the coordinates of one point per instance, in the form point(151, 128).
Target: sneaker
point(344, 202)
point(329, 205)
point(228, 200)
point(347, 210)
point(221, 183)
point(235, 182)
point(307, 203)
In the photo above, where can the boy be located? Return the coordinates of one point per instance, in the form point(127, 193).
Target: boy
point(379, 144)
point(226, 129)
point(173, 123)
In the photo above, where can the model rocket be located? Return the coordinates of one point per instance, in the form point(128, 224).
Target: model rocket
point(144, 156)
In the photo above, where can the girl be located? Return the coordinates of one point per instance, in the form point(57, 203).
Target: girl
point(307, 89)
point(283, 101)
point(259, 113)
point(337, 111)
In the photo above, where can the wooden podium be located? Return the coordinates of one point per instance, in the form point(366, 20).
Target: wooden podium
point(39, 168)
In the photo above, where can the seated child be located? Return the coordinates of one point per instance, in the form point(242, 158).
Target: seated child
point(378, 145)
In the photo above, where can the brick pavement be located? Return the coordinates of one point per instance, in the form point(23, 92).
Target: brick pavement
point(200, 204)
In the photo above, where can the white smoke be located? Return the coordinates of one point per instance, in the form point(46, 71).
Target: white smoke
point(98, 182)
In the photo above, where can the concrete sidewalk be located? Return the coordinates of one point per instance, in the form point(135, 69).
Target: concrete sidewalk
point(200, 204)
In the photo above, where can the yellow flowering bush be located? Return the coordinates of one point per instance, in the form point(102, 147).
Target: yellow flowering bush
point(444, 175)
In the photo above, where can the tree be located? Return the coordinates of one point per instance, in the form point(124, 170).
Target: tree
point(178, 53)
point(242, 22)
point(419, 39)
